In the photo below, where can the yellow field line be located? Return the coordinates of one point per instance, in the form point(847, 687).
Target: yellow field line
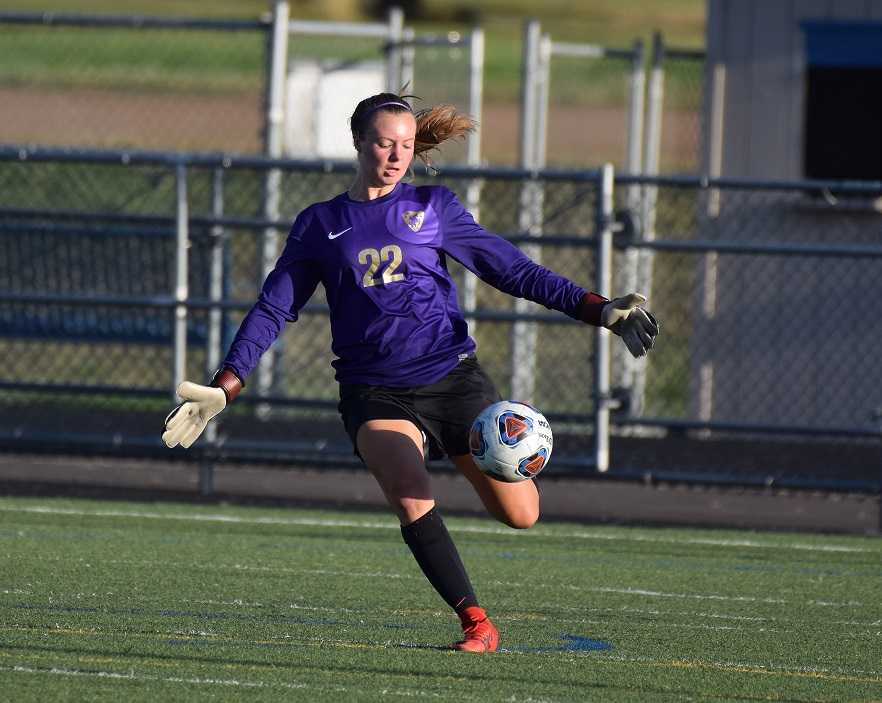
point(757, 669)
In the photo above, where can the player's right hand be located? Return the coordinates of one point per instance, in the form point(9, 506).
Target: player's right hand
point(637, 327)
point(185, 423)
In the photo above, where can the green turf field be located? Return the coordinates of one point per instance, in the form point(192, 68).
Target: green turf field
point(163, 602)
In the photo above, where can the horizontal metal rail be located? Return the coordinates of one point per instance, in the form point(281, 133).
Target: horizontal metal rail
point(590, 51)
point(204, 223)
point(451, 39)
point(38, 154)
point(61, 19)
point(17, 152)
point(168, 301)
point(61, 389)
point(339, 29)
point(751, 428)
point(10, 213)
point(16, 228)
point(703, 183)
point(685, 54)
point(257, 223)
point(766, 249)
point(713, 477)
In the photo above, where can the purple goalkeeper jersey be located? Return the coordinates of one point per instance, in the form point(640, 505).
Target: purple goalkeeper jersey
point(395, 320)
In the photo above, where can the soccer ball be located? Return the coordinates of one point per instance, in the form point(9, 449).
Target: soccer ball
point(510, 441)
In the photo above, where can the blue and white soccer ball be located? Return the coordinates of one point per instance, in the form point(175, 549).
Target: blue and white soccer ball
point(511, 441)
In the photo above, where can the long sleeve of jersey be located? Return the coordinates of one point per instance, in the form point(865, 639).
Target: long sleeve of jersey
point(502, 265)
point(287, 289)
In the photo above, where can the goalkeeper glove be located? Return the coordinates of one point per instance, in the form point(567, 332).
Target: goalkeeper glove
point(185, 423)
point(637, 327)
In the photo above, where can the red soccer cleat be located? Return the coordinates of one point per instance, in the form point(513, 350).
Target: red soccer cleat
point(479, 633)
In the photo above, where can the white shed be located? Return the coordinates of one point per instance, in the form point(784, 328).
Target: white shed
point(782, 73)
point(794, 93)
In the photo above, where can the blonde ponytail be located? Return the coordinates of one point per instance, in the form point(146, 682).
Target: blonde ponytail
point(436, 125)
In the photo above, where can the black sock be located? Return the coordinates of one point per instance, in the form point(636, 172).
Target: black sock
point(436, 554)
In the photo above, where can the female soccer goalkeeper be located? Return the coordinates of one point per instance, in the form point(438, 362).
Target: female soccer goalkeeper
point(409, 379)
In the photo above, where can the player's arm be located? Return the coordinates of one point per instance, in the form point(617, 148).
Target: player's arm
point(502, 265)
point(287, 289)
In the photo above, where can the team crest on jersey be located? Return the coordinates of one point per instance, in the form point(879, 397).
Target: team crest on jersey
point(414, 219)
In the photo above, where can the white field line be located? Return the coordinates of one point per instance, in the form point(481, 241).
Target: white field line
point(385, 575)
point(605, 614)
point(766, 668)
point(535, 532)
point(232, 683)
point(872, 676)
point(239, 602)
point(389, 575)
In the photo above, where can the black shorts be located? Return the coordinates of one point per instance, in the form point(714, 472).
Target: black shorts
point(444, 410)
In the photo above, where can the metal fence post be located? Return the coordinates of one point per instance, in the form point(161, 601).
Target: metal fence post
point(543, 88)
point(634, 160)
point(651, 166)
point(529, 93)
point(214, 342)
point(473, 158)
point(278, 56)
point(655, 109)
point(524, 334)
point(603, 400)
point(181, 291)
point(476, 93)
point(394, 56)
point(408, 59)
point(629, 276)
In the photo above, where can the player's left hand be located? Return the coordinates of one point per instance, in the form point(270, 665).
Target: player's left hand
point(637, 327)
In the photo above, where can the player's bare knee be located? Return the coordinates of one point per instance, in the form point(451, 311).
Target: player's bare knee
point(412, 509)
point(522, 518)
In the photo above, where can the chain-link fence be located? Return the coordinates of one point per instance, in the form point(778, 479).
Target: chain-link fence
point(763, 370)
point(88, 273)
point(765, 345)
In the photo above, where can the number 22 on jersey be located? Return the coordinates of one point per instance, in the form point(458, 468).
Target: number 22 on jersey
point(390, 255)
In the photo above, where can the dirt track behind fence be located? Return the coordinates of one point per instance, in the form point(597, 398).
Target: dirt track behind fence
point(578, 135)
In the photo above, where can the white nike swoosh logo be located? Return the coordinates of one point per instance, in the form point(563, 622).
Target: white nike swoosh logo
point(331, 235)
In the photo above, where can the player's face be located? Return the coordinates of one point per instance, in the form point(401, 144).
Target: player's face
point(386, 151)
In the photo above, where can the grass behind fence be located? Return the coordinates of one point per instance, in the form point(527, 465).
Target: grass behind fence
point(131, 60)
point(210, 61)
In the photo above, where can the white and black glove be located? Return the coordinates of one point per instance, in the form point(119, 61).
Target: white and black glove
point(185, 423)
point(637, 327)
